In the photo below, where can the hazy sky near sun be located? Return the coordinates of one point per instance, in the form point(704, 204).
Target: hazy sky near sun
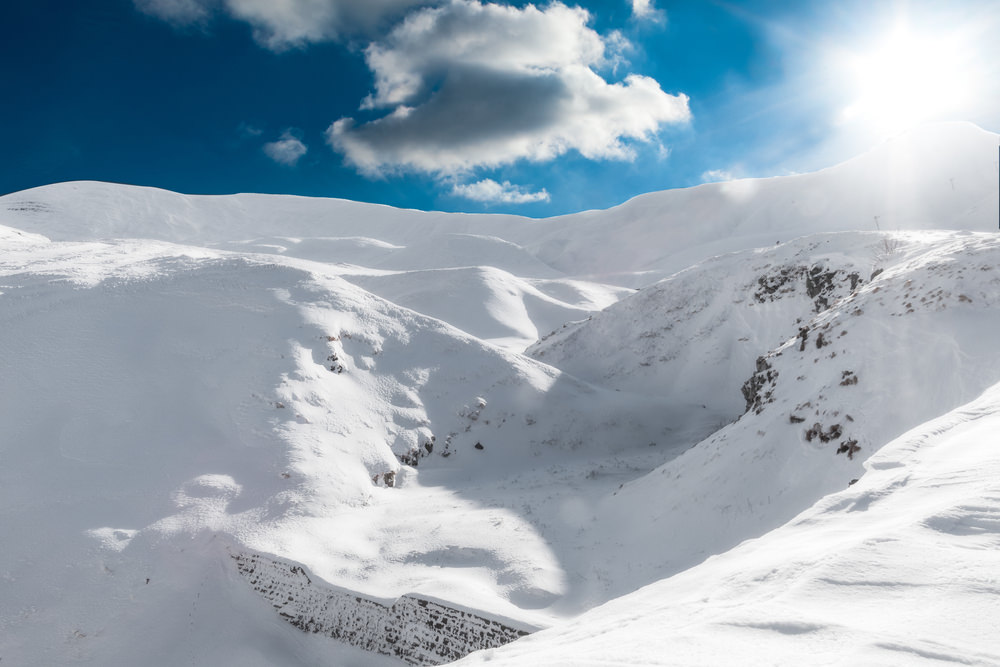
point(538, 109)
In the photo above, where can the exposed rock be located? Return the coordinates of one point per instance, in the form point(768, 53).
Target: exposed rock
point(849, 447)
point(418, 631)
point(823, 285)
point(759, 389)
point(817, 431)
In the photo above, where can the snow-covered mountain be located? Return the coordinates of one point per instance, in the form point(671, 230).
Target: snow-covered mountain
point(899, 569)
point(223, 413)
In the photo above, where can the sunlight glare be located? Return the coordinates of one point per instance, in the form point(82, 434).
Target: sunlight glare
point(908, 79)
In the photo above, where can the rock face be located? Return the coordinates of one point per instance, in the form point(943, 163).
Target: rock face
point(823, 285)
point(418, 631)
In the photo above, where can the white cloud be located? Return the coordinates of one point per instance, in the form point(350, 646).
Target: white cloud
point(716, 176)
point(283, 24)
point(247, 131)
point(289, 23)
point(177, 12)
point(644, 9)
point(431, 42)
point(287, 150)
point(472, 84)
point(488, 190)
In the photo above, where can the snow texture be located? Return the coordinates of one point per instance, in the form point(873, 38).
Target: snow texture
point(780, 450)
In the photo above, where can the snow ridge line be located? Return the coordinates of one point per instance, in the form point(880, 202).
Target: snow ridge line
point(416, 630)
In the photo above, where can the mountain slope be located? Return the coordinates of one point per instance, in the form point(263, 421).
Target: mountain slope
point(299, 390)
point(938, 176)
point(511, 310)
point(900, 569)
point(815, 366)
point(196, 384)
point(163, 402)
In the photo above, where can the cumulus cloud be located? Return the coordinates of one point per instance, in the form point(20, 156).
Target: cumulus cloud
point(488, 190)
point(472, 84)
point(431, 42)
point(644, 9)
point(283, 24)
point(287, 150)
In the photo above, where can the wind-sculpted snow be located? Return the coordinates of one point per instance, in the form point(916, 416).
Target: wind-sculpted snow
point(511, 310)
point(935, 177)
point(339, 386)
point(158, 393)
point(694, 337)
point(887, 354)
point(898, 569)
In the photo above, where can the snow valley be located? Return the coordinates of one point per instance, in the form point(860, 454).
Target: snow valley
point(747, 422)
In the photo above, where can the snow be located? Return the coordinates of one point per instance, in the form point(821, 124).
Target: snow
point(482, 411)
point(899, 569)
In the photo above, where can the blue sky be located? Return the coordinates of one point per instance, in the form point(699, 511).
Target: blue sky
point(466, 105)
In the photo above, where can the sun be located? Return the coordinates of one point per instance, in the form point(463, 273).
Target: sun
point(908, 78)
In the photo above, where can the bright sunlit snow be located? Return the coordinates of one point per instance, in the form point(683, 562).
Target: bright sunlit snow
point(751, 422)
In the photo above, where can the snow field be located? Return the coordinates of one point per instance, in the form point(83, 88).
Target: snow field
point(341, 385)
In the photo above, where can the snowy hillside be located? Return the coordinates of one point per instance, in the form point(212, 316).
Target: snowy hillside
point(839, 381)
point(223, 413)
point(899, 569)
point(935, 177)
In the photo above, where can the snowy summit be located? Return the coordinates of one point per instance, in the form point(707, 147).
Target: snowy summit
point(749, 422)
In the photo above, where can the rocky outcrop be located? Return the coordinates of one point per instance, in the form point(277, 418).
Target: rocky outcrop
point(823, 285)
point(418, 631)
